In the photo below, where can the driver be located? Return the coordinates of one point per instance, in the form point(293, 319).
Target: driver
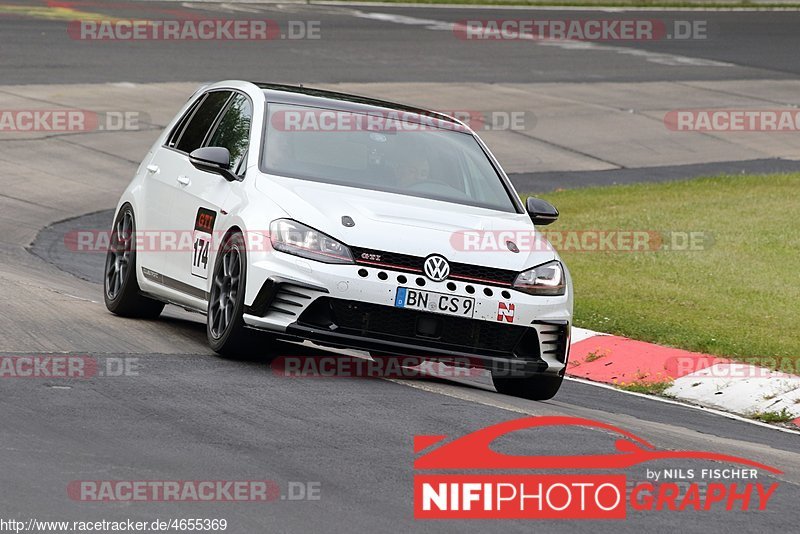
point(413, 170)
point(279, 151)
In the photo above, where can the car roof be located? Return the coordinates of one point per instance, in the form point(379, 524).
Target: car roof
point(297, 94)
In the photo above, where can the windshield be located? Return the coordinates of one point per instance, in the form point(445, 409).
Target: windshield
point(384, 153)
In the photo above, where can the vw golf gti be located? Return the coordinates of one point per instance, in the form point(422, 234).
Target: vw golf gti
point(346, 221)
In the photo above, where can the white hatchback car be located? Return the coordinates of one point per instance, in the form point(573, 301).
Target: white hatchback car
point(345, 221)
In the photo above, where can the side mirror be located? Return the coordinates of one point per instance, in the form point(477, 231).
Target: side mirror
point(213, 159)
point(541, 211)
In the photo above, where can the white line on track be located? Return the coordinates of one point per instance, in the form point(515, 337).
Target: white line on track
point(672, 60)
point(686, 405)
point(473, 395)
point(239, 5)
point(475, 387)
point(496, 7)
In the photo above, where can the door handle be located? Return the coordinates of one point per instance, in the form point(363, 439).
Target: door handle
point(153, 169)
point(183, 180)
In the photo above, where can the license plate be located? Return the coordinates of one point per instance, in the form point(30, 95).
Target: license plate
point(434, 302)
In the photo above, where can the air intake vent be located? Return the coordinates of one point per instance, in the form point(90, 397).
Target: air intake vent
point(554, 337)
point(284, 297)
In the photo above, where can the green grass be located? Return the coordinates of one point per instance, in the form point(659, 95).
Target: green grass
point(652, 388)
point(606, 3)
point(594, 356)
point(739, 297)
point(783, 416)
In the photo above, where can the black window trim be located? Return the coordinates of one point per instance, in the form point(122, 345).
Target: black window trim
point(180, 126)
point(215, 124)
point(196, 106)
point(189, 115)
point(216, 121)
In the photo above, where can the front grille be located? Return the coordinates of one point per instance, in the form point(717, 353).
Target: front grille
point(458, 271)
point(446, 332)
point(389, 260)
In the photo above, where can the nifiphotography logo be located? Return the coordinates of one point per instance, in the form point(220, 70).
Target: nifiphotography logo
point(589, 493)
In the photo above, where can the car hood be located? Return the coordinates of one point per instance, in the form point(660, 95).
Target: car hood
point(410, 225)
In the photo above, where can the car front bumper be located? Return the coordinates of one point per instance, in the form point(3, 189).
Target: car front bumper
point(353, 306)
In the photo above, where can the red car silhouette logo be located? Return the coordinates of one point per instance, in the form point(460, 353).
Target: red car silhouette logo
point(473, 451)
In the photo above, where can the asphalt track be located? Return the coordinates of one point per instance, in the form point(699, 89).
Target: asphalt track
point(188, 415)
point(392, 44)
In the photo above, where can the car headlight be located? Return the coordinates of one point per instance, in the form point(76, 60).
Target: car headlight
point(545, 280)
point(298, 239)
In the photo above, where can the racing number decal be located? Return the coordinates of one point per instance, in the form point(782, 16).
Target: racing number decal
point(203, 230)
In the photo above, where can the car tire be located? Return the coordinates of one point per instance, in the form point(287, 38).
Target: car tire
point(536, 387)
point(120, 287)
point(225, 328)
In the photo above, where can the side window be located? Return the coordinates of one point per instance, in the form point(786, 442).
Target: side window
point(233, 130)
point(176, 132)
point(202, 120)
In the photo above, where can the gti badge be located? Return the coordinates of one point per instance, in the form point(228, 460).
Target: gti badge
point(436, 268)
